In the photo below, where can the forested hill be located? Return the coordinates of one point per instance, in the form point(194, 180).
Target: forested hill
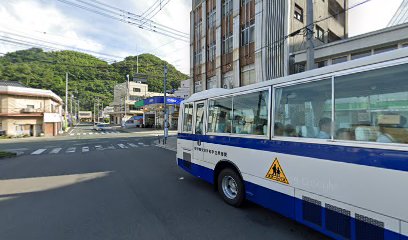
point(89, 78)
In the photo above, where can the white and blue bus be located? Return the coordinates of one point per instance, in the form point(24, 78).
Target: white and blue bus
point(327, 148)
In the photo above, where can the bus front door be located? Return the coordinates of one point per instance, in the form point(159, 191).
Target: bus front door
point(199, 130)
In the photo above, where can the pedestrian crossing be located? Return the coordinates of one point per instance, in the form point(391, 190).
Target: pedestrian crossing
point(86, 149)
point(93, 133)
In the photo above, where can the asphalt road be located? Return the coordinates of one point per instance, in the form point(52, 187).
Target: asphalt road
point(122, 193)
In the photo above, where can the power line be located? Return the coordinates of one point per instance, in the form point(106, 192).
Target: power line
point(158, 8)
point(62, 45)
point(128, 18)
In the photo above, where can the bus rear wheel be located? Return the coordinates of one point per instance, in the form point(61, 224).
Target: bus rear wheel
point(231, 187)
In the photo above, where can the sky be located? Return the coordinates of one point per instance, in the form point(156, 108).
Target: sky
point(56, 22)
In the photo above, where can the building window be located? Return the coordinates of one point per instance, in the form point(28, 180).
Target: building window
point(332, 37)
point(320, 33)
point(385, 49)
point(197, 58)
point(211, 52)
point(211, 83)
point(244, 2)
point(30, 106)
point(248, 77)
point(227, 8)
point(136, 90)
point(299, 67)
point(248, 34)
point(211, 19)
point(227, 44)
point(339, 60)
point(298, 13)
point(360, 55)
point(320, 64)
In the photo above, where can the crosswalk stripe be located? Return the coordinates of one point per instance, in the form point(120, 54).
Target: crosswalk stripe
point(98, 147)
point(83, 133)
point(122, 145)
point(85, 149)
point(55, 150)
point(90, 133)
point(110, 147)
point(72, 134)
point(39, 151)
point(78, 134)
point(103, 133)
point(71, 150)
point(132, 145)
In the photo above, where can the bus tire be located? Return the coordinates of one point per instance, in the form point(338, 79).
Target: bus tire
point(231, 187)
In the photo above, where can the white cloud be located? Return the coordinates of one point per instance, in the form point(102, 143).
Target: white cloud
point(46, 23)
point(371, 16)
point(60, 23)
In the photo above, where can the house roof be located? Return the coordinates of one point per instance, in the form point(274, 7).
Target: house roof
point(11, 83)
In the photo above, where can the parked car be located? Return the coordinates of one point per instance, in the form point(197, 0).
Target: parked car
point(102, 127)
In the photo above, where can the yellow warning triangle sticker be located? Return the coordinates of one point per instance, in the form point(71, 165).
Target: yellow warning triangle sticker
point(276, 173)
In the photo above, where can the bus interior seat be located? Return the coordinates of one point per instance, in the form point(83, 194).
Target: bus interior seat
point(366, 133)
point(308, 131)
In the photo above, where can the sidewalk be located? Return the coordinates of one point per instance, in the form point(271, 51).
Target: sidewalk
point(150, 131)
point(170, 145)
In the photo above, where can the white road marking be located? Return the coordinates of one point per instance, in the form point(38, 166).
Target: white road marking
point(122, 145)
point(90, 133)
point(85, 149)
point(72, 134)
point(55, 150)
point(132, 145)
point(111, 147)
point(38, 151)
point(83, 133)
point(103, 133)
point(78, 134)
point(99, 147)
point(71, 150)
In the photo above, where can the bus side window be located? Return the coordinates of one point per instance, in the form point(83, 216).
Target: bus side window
point(188, 118)
point(219, 115)
point(304, 110)
point(251, 113)
point(371, 106)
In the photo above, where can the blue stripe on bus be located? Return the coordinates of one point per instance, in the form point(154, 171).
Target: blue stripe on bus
point(288, 206)
point(381, 158)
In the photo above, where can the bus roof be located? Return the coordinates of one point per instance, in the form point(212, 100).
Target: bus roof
point(329, 70)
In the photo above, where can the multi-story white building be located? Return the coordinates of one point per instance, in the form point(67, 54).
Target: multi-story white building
point(28, 111)
point(184, 90)
point(125, 95)
point(383, 40)
point(239, 42)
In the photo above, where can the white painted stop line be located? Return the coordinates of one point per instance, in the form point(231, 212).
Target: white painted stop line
point(38, 151)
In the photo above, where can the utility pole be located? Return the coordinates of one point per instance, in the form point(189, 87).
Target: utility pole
point(166, 116)
point(309, 34)
point(66, 98)
point(78, 110)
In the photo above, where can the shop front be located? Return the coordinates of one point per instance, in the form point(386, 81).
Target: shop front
point(153, 111)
